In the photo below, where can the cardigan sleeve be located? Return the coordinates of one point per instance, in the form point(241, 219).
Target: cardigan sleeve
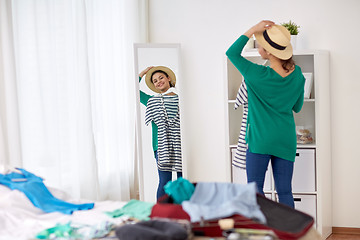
point(234, 55)
point(144, 98)
point(299, 103)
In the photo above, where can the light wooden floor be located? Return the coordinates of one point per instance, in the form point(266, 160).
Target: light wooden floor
point(343, 237)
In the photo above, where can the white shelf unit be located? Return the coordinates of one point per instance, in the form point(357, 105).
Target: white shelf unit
point(312, 171)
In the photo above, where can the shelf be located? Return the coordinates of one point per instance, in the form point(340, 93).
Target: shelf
point(304, 193)
point(300, 146)
point(295, 193)
point(306, 146)
point(306, 100)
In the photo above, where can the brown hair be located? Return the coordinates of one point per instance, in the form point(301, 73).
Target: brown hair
point(288, 64)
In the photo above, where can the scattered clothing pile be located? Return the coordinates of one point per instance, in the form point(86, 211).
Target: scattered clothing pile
point(185, 210)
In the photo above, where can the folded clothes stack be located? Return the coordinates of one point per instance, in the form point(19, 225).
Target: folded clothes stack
point(304, 136)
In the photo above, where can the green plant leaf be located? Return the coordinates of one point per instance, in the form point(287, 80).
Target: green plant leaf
point(292, 27)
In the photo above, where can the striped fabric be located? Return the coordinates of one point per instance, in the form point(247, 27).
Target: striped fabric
point(163, 110)
point(239, 160)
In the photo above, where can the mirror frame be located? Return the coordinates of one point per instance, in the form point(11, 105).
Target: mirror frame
point(139, 152)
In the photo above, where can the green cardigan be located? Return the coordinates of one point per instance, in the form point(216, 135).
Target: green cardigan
point(272, 100)
point(144, 99)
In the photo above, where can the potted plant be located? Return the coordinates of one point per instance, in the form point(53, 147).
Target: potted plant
point(294, 31)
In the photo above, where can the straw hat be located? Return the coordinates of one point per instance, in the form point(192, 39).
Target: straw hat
point(149, 74)
point(276, 41)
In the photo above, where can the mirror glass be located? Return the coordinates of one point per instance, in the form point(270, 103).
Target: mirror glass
point(146, 55)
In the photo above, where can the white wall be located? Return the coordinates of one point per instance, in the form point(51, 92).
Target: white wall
point(206, 28)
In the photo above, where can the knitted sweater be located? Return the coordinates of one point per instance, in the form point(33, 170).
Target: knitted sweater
point(144, 98)
point(272, 100)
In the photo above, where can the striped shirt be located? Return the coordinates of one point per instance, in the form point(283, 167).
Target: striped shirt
point(239, 160)
point(163, 110)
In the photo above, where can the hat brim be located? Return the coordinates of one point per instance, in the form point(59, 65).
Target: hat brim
point(169, 72)
point(281, 54)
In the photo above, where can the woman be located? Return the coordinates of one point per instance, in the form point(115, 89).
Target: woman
point(162, 110)
point(274, 92)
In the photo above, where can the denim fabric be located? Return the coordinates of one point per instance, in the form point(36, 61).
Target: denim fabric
point(164, 178)
point(256, 167)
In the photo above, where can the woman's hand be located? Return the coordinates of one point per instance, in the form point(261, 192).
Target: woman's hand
point(260, 27)
point(143, 72)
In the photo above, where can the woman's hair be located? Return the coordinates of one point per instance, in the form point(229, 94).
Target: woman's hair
point(288, 64)
point(160, 71)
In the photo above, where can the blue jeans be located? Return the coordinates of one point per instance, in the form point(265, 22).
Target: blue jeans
point(256, 167)
point(164, 177)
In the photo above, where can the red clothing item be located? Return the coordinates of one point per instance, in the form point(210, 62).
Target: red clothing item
point(167, 210)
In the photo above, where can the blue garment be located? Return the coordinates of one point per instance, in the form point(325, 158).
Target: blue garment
point(35, 190)
point(256, 166)
point(214, 200)
point(164, 178)
point(180, 190)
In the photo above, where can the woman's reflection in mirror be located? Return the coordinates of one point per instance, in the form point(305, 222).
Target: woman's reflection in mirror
point(162, 110)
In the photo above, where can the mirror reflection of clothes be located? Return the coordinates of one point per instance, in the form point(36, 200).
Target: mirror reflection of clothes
point(164, 178)
point(144, 98)
point(171, 128)
point(162, 142)
point(164, 112)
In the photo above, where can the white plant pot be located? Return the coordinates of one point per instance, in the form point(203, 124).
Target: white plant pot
point(293, 41)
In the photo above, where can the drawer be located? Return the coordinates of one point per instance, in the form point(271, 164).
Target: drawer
point(239, 174)
point(304, 171)
point(306, 204)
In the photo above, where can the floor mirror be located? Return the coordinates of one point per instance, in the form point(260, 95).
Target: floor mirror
point(145, 55)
